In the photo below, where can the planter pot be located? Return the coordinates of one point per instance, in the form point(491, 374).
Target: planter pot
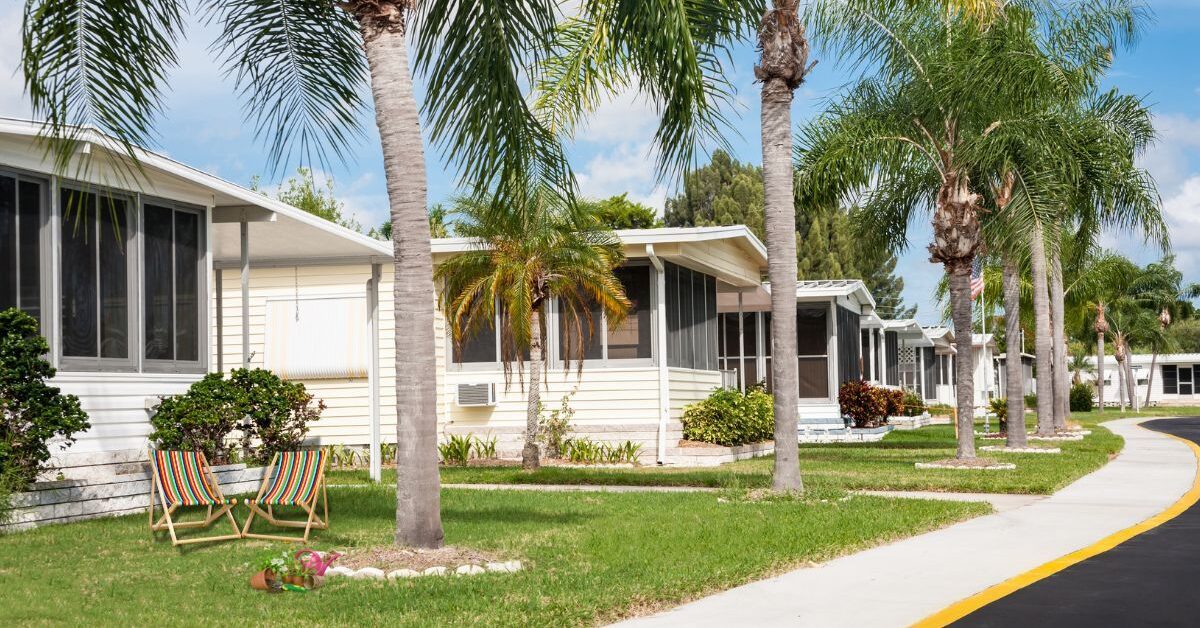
point(262, 580)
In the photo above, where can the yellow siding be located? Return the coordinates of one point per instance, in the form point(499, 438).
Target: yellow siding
point(347, 414)
point(687, 386)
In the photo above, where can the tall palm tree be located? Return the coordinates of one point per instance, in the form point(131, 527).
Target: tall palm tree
point(782, 65)
point(525, 254)
point(921, 135)
point(303, 69)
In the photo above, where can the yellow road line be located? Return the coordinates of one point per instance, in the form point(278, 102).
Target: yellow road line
point(965, 607)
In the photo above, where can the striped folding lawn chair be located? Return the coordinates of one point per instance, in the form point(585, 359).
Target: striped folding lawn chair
point(184, 479)
point(294, 478)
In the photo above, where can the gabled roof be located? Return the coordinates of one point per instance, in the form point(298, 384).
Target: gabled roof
point(741, 234)
point(835, 288)
point(291, 234)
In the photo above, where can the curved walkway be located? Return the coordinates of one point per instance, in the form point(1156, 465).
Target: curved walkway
point(1147, 580)
point(907, 581)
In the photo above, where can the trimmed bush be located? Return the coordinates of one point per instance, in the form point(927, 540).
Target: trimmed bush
point(865, 404)
point(999, 407)
point(893, 399)
point(914, 405)
point(730, 418)
point(31, 411)
point(1081, 397)
point(1031, 401)
point(278, 413)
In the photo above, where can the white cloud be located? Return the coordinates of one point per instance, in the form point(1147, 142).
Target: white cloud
point(13, 102)
point(627, 168)
point(626, 118)
point(1168, 160)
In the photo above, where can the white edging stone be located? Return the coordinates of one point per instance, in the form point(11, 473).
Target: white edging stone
point(999, 466)
point(1021, 450)
point(403, 573)
point(435, 571)
point(369, 573)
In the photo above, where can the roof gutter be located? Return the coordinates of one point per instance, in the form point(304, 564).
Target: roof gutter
point(664, 397)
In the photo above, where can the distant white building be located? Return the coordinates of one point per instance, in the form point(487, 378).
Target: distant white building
point(1176, 377)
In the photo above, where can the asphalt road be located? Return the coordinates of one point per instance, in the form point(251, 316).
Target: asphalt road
point(1152, 579)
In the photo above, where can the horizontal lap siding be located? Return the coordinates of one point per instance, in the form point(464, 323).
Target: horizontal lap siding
point(116, 406)
point(600, 396)
point(346, 418)
point(689, 386)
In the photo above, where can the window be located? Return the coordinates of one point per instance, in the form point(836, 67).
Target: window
point(891, 354)
point(730, 360)
point(812, 345)
point(317, 337)
point(631, 340)
point(1170, 379)
point(20, 244)
point(485, 345)
point(95, 240)
point(173, 256)
point(848, 347)
point(691, 303)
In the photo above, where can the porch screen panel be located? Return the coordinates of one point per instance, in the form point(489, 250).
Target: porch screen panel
point(691, 318)
point(631, 339)
point(171, 283)
point(187, 286)
point(864, 354)
point(1170, 379)
point(159, 284)
point(114, 278)
point(930, 368)
point(892, 357)
point(8, 242)
point(20, 246)
point(79, 289)
point(849, 346)
point(812, 342)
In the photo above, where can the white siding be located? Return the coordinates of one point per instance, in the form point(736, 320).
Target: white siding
point(117, 405)
point(687, 386)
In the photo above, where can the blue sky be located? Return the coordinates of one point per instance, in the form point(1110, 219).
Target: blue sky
point(204, 126)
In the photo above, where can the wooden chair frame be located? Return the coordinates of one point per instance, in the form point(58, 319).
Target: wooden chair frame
point(313, 522)
point(167, 522)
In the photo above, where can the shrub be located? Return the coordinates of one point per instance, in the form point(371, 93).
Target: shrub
point(582, 451)
point(1081, 397)
point(484, 449)
point(939, 409)
point(999, 407)
point(268, 409)
point(456, 449)
point(1031, 401)
point(199, 420)
point(914, 405)
point(553, 429)
point(865, 404)
point(731, 417)
point(31, 411)
point(893, 401)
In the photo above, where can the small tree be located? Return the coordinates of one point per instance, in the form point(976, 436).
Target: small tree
point(31, 411)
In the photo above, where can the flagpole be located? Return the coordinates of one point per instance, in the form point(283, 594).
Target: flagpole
point(987, 380)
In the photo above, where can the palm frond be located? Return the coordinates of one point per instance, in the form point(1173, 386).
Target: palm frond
point(300, 69)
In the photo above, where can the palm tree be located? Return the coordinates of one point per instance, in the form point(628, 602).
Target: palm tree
point(782, 65)
point(524, 256)
point(914, 136)
point(303, 69)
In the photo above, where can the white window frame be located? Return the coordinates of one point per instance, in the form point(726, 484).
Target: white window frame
point(202, 333)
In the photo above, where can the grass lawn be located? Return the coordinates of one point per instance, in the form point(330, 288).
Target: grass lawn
point(887, 465)
point(589, 558)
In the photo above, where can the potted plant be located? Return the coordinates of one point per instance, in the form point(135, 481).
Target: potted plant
point(269, 577)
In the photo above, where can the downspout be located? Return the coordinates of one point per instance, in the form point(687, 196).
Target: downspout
point(664, 398)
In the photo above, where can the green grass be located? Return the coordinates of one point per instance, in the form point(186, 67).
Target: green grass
point(887, 465)
point(590, 558)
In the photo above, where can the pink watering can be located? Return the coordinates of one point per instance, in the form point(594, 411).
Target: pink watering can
point(313, 560)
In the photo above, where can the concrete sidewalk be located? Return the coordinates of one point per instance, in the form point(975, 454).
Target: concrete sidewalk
point(901, 583)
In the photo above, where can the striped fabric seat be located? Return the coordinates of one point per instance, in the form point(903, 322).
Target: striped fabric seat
point(296, 475)
point(182, 479)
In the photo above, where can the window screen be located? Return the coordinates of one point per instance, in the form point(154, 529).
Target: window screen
point(691, 303)
point(20, 246)
point(849, 346)
point(891, 358)
point(631, 339)
point(930, 369)
point(172, 283)
point(95, 275)
point(1170, 379)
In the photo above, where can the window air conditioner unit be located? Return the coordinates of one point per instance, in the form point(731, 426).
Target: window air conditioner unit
point(476, 395)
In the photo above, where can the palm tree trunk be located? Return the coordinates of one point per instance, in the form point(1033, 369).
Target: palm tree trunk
point(1042, 336)
point(960, 314)
point(1100, 370)
point(1062, 386)
point(1014, 381)
point(418, 487)
point(1131, 379)
point(780, 223)
point(530, 455)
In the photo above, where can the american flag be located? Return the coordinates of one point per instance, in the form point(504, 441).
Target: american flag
point(976, 279)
